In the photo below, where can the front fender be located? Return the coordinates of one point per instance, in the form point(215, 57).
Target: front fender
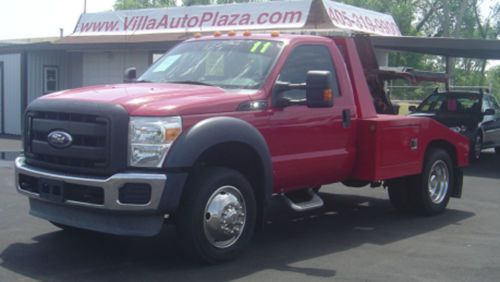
point(205, 134)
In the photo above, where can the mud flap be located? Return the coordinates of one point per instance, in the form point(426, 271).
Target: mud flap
point(458, 183)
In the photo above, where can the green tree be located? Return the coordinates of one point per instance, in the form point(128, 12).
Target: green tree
point(493, 80)
point(441, 18)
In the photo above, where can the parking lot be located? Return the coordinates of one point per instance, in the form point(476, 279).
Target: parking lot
point(357, 236)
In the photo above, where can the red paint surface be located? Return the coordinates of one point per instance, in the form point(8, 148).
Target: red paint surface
point(308, 146)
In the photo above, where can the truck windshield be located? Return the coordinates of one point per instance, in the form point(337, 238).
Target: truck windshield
point(231, 64)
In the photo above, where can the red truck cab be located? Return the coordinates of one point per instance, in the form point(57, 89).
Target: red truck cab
point(215, 129)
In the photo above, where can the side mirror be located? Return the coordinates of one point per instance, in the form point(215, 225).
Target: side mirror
point(129, 75)
point(489, 112)
point(319, 93)
point(412, 108)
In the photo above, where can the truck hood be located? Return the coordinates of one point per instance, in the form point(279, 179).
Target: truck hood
point(160, 99)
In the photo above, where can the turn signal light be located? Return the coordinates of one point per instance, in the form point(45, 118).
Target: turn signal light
point(327, 95)
point(231, 33)
point(171, 134)
point(217, 34)
point(275, 33)
point(247, 33)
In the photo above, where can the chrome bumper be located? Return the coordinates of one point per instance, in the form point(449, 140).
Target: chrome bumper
point(110, 185)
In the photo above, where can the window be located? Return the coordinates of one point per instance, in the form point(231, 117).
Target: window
point(494, 103)
point(230, 64)
point(155, 56)
point(305, 58)
point(50, 79)
point(487, 104)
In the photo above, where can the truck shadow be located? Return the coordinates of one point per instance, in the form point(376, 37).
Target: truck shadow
point(487, 166)
point(346, 222)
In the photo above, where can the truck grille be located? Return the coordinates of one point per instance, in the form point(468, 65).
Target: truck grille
point(90, 144)
point(99, 136)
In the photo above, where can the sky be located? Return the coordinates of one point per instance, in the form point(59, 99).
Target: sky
point(43, 18)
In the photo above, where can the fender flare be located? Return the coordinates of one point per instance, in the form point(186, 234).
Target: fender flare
point(205, 134)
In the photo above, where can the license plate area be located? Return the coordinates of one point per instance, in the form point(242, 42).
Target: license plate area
point(51, 190)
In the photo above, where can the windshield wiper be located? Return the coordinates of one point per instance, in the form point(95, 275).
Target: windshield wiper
point(143, 81)
point(191, 82)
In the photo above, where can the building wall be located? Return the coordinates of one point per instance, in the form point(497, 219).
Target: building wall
point(75, 60)
point(107, 67)
point(12, 94)
point(36, 62)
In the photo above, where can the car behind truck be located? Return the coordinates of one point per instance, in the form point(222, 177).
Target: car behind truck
point(218, 127)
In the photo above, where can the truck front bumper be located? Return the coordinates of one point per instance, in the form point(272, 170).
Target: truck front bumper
point(122, 204)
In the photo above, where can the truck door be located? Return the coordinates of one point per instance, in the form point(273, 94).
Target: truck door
point(310, 146)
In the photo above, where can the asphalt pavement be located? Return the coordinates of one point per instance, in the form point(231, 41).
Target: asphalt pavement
point(357, 236)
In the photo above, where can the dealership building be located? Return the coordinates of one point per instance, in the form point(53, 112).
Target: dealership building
point(104, 44)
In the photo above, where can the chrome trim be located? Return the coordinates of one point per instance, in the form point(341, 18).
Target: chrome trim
point(314, 203)
point(110, 186)
point(224, 217)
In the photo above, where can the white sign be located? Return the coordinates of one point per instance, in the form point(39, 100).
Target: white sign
point(268, 15)
point(353, 18)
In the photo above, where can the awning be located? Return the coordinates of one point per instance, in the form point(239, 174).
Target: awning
point(448, 47)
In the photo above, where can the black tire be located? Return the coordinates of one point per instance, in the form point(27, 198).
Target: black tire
point(401, 194)
point(436, 159)
point(192, 221)
point(475, 147)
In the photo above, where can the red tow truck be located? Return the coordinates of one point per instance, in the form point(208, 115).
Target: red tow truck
point(218, 127)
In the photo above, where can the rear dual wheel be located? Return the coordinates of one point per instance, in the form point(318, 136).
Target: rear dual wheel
point(217, 215)
point(429, 192)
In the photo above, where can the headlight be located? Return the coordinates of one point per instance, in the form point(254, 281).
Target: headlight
point(149, 139)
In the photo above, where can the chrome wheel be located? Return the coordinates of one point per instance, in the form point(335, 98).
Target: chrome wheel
point(438, 182)
point(224, 217)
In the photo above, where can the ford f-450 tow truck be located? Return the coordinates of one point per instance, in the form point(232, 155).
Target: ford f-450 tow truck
point(218, 127)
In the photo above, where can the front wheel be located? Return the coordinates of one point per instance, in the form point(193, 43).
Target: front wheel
point(217, 215)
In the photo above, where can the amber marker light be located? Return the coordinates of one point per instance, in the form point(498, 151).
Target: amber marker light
point(231, 33)
point(171, 134)
point(275, 33)
point(247, 33)
point(217, 33)
point(327, 95)
point(197, 35)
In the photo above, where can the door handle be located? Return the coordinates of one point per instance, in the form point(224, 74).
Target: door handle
point(346, 118)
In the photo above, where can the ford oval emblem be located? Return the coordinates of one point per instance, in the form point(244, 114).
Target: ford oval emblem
point(59, 139)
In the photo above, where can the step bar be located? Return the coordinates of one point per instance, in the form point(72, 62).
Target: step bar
point(314, 203)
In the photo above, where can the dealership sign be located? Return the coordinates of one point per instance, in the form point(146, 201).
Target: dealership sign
point(357, 19)
point(268, 15)
point(251, 16)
